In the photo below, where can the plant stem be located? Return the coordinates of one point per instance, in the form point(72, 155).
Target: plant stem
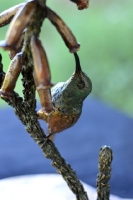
point(105, 159)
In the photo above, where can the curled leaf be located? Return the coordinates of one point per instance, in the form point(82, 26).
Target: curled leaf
point(64, 31)
point(18, 24)
point(41, 74)
point(19, 45)
point(41, 66)
point(7, 15)
point(12, 76)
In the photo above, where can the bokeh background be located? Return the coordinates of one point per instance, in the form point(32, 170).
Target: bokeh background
point(105, 32)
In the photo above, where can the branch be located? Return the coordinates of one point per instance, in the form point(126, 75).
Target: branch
point(29, 119)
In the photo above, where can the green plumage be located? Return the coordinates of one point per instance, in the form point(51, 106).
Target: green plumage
point(68, 96)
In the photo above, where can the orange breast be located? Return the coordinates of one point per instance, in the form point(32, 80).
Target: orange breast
point(60, 122)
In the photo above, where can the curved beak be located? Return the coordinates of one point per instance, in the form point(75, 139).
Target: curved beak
point(78, 67)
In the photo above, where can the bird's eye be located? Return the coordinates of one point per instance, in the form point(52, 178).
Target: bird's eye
point(81, 84)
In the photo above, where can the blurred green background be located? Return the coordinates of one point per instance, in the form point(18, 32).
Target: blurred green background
point(105, 32)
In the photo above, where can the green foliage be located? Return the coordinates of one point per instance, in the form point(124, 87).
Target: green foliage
point(105, 32)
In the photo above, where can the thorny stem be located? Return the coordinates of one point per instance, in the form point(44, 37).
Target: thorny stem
point(25, 111)
point(105, 159)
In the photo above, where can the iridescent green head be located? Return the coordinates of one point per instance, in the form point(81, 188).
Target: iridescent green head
point(68, 96)
point(78, 86)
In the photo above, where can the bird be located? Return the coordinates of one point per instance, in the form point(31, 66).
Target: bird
point(67, 99)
